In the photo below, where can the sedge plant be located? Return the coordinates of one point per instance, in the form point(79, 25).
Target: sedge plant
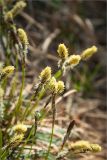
point(15, 110)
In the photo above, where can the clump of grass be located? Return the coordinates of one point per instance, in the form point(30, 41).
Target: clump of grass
point(16, 134)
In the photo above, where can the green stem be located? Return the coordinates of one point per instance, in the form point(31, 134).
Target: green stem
point(37, 96)
point(58, 74)
point(18, 105)
point(53, 123)
point(13, 86)
point(4, 84)
point(1, 2)
point(32, 108)
point(35, 130)
point(27, 107)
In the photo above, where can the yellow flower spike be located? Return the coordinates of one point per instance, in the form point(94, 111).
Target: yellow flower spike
point(16, 139)
point(62, 51)
point(7, 70)
point(73, 60)
point(80, 146)
point(20, 128)
point(18, 7)
point(95, 147)
point(45, 75)
point(53, 85)
point(15, 10)
point(8, 16)
point(60, 87)
point(86, 54)
point(22, 36)
point(84, 146)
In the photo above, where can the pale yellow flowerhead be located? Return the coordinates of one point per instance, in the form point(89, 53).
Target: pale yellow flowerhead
point(56, 87)
point(53, 85)
point(60, 87)
point(95, 147)
point(86, 54)
point(62, 51)
point(6, 71)
point(19, 128)
point(17, 8)
point(73, 60)
point(22, 36)
point(16, 139)
point(8, 16)
point(80, 146)
point(45, 75)
point(84, 146)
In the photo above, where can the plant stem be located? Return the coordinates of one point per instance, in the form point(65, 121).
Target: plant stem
point(13, 86)
point(53, 123)
point(58, 74)
point(27, 108)
point(18, 105)
point(37, 96)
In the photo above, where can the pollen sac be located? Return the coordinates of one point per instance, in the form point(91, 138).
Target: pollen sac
point(45, 75)
point(62, 51)
point(86, 54)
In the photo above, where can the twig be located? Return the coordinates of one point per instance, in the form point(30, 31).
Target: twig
point(49, 39)
point(32, 21)
point(65, 95)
